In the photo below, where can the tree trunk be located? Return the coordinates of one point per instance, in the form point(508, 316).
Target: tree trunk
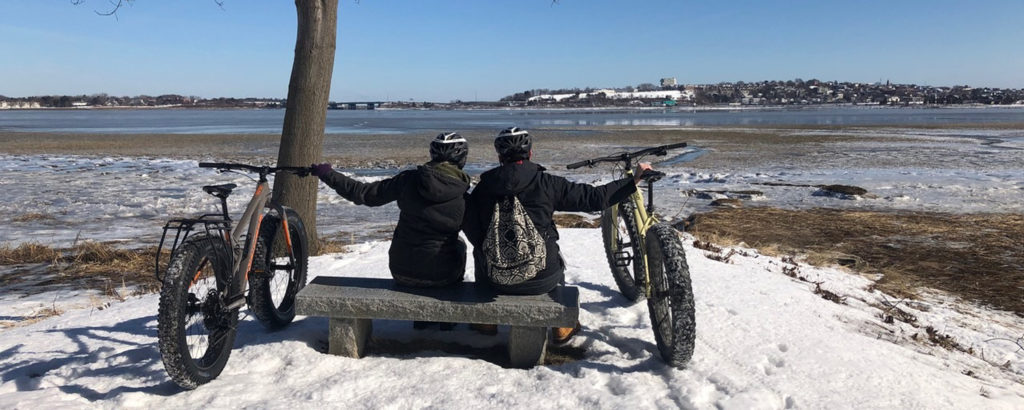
point(305, 115)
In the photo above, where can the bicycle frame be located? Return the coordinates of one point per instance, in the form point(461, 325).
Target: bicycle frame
point(242, 252)
point(643, 215)
point(250, 223)
point(644, 220)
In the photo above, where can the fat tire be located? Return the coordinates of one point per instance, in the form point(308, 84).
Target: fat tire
point(671, 303)
point(263, 280)
point(172, 317)
point(630, 280)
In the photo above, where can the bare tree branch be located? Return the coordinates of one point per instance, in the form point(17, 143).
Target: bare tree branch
point(116, 5)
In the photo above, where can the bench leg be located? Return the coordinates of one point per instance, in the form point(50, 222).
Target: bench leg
point(527, 346)
point(348, 337)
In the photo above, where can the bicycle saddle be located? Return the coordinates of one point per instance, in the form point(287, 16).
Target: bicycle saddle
point(219, 191)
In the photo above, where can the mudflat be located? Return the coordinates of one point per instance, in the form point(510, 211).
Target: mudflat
point(733, 147)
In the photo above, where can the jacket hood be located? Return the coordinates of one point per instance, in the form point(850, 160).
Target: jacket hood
point(441, 181)
point(511, 178)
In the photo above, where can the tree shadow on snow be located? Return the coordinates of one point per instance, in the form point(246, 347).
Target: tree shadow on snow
point(140, 361)
point(130, 351)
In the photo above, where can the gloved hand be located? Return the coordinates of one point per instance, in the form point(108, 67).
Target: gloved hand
point(639, 172)
point(319, 170)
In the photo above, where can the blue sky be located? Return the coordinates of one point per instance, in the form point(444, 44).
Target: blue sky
point(442, 50)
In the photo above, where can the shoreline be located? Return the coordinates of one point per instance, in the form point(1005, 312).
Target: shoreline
point(624, 108)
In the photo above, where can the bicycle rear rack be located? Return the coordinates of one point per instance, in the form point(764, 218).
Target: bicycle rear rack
point(185, 227)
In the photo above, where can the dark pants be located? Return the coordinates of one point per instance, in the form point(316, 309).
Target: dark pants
point(454, 276)
point(545, 282)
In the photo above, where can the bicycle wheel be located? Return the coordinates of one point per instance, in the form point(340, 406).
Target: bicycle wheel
point(195, 330)
point(276, 277)
point(622, 247)
point(671, 301)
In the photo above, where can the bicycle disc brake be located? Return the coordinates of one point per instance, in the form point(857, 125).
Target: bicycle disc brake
point(215, 314)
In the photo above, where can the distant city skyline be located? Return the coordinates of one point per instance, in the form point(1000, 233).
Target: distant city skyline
point(401, 50)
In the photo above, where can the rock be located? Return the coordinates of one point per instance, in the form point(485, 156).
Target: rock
point(841, 191)
point(727, 203)
point(746, 195)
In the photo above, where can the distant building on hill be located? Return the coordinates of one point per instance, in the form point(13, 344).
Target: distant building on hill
point(6, 105)
point(668, 82)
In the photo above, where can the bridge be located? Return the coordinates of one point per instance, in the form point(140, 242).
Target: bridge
point(353, 105)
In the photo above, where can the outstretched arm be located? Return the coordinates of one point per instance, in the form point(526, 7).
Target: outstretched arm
point(361, 193)
point(575, 197)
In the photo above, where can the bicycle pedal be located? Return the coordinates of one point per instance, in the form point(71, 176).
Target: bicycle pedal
point(623, 259)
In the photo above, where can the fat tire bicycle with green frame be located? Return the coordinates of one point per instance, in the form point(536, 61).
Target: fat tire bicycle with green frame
point(215, 268)
point(647, 260)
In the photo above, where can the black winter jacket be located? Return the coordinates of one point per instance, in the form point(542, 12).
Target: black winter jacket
point(541, 195)
point(426, 249)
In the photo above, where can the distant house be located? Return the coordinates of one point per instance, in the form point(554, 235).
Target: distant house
point(556, 97)
point(660, 95)
point(79, 104)
point(668, 82)
point(7, 105)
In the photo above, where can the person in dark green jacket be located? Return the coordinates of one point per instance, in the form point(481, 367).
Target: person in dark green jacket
point(426, 250)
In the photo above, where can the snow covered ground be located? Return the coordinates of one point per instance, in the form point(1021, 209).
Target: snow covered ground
point(765, 340)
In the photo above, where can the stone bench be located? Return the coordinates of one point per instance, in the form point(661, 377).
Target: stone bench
point(351, 304)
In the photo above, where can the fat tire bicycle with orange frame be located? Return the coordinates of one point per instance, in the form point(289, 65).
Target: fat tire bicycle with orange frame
point(215, 267)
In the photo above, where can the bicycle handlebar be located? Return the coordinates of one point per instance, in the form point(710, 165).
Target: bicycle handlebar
point(626, 156)
point(301, 171)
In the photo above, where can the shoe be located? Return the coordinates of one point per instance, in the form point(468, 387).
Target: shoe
point(562, 335)
point(420, 325)
point(489, 330)
point(446, 326)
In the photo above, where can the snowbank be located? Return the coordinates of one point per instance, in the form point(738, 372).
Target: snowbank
point(765, 340)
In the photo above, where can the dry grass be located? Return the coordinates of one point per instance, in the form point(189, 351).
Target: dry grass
point(93, 265)
point(27, 253)
point(109, 268)
point(979, 256)
point(105, 267)
point(328, 245)
point(32, 217)
point(576, 221)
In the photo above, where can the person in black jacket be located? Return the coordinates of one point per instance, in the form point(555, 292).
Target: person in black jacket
point(426, 250)
point(541, 194)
